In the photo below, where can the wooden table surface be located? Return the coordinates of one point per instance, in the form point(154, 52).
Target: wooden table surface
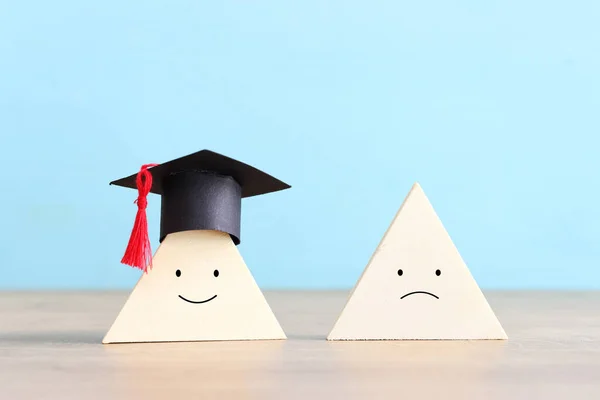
point(50, 349)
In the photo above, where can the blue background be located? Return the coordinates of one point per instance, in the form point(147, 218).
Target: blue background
point(492, 106)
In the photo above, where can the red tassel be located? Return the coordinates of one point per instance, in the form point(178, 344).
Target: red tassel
point(139, 253)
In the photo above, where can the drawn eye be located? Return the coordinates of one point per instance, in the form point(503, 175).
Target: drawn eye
point(216, 273)
point(400, 272)
point(438, 272)
point(178, 273)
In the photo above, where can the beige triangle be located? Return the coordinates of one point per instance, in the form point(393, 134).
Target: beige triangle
point(160, 310)
point(381, 307)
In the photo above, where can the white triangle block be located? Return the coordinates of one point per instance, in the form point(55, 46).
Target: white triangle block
point(433, 297)
point(199, 304)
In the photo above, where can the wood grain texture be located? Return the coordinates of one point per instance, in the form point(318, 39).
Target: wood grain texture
point(50, 349)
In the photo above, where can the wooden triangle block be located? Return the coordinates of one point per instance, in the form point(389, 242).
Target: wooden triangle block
point(199, 288)
point(416, 286)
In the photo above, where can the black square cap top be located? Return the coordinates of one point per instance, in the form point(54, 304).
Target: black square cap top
point(201, 191)
point(252, 181)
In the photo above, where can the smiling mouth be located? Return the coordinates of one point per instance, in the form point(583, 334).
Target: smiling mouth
point(197, 302)
point(419, 292)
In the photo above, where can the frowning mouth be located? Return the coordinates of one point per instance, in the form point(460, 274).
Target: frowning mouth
point(197, 302)
point(419, 292)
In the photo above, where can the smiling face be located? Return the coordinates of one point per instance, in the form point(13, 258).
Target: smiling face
point(416, 286)
point(198, 289)
point(216, 275)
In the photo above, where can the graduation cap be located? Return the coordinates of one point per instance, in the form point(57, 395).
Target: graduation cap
point(201, 191)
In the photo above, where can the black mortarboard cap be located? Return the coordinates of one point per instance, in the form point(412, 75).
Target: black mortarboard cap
point(203, 191)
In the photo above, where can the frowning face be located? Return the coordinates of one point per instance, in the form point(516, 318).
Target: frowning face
point(438, 272)
point(416, 285)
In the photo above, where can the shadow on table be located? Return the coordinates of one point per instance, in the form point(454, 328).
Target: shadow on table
point(307, 337)
point(226, 370)
point(29, 338)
